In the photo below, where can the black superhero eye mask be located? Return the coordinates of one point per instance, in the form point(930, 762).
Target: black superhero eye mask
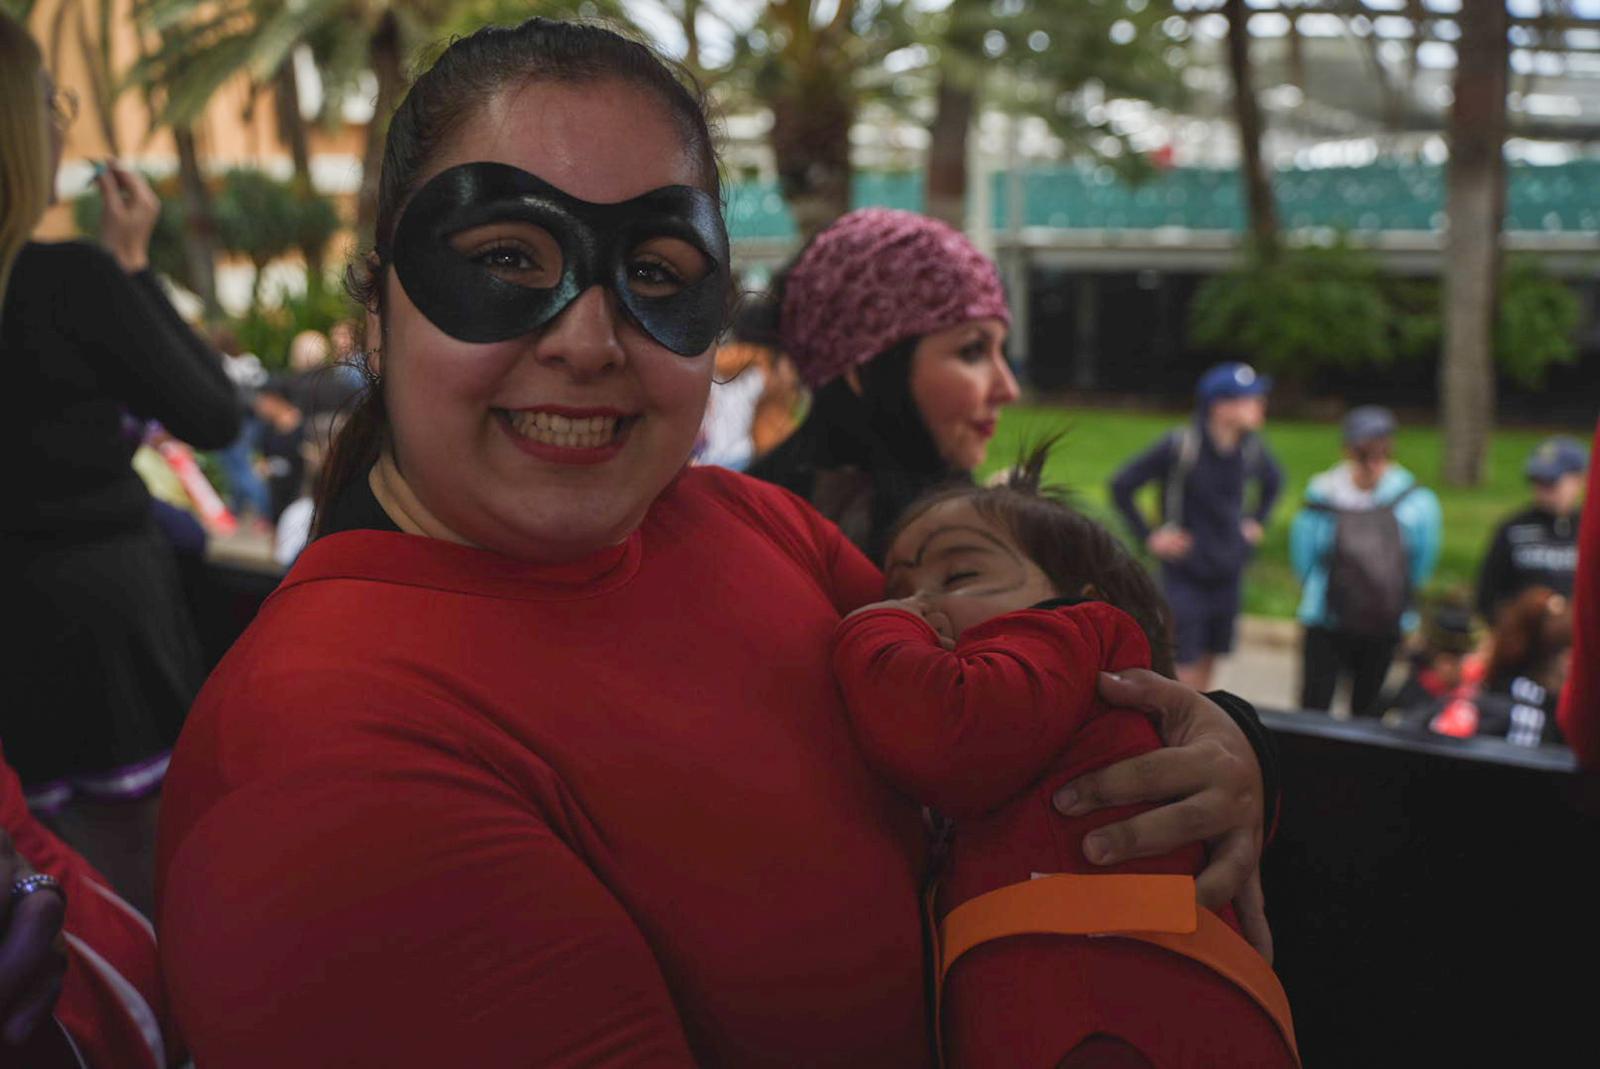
point(489, 252)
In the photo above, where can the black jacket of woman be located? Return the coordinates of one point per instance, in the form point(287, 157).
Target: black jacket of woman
point(862, 458)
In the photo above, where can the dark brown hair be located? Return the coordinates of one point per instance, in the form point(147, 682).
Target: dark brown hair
point(1075, 553)
point(1529, 633)
point(445, 96)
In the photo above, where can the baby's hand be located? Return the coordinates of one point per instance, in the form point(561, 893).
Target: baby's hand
point(918, 606)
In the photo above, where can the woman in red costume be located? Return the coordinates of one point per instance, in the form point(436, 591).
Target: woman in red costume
point(535, 757)
point(973, 691)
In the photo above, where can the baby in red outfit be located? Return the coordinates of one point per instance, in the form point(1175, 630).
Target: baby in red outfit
point(974, 691)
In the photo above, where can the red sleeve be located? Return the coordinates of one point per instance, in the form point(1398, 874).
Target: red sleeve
point(398, 905)
point(1579, 715)
point(853, 579)
point(967, 730)
point(112, 1003)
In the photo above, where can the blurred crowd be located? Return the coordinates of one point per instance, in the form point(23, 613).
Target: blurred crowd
point(1364, 544)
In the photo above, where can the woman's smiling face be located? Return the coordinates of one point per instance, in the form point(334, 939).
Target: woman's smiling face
point(553, 444)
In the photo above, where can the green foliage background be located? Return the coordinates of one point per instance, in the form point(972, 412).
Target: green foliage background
point(1332, 306)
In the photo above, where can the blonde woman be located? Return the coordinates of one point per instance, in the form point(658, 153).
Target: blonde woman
point(29, 146)
point(101, 660)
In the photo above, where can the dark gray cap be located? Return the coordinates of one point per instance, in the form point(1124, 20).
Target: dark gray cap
point(1556, 457)
point(1367, 423)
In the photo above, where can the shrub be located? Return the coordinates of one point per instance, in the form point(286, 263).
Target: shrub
point(268, 331)
point(1310, 306)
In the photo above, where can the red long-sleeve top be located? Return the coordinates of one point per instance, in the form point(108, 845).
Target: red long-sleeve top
point(1579, 714)
point(439, 807)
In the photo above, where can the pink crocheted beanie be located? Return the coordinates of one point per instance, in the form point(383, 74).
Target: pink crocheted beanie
point(876, 277)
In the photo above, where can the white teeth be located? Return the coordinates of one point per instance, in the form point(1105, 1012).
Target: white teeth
point(591, 432)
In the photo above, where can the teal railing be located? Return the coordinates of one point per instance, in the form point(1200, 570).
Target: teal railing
point(1382, 196)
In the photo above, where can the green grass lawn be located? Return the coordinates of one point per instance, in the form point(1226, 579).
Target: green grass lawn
point(1099, 441)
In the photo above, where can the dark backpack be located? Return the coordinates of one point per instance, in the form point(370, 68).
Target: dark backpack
point(1369, 571)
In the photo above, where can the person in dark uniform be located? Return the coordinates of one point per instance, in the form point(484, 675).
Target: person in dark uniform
point(1539, 545)
point(1208, 528)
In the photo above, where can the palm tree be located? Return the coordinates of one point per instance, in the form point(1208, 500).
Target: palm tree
point(807, 62)
point(1474, 204)
point(86, 27)
point(1031, 56)
point(350, 40)
point(206, 44)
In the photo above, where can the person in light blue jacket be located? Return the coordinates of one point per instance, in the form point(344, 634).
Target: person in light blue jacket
point(1365, 541)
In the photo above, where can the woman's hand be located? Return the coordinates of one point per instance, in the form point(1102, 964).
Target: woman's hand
point(32, 958)
point(131, 209)
point(1169, 543)
point(1206, 783)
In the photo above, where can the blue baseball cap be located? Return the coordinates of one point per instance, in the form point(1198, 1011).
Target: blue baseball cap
point(1230, 380)
point(1554, 458)
point(1368, 423)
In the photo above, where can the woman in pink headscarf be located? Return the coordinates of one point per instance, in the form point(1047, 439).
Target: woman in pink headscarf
point(898, 325)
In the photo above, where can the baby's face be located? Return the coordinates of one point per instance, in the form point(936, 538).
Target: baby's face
point(963, 565)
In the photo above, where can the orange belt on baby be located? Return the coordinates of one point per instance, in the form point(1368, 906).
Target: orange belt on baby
point(1160, 910)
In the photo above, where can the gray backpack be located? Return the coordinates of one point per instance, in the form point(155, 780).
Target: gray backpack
point(1186, 445)
point(1369, 571)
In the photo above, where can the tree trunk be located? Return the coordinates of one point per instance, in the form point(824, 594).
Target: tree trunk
point(386, 64)
point(1297, 52)
point(1253, 169)
point(1389, 94)
point(200, 231)
point(1475, 201)
point(691, 37)
point(292, 129)
point(291, 125)
point(946, 194)
point(811, 144)
point(1419, 25)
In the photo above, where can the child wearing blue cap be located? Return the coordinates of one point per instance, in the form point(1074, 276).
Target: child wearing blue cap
point(1539, 545)
point(1207, 532)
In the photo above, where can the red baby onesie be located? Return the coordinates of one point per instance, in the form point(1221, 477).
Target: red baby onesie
point(985, 735)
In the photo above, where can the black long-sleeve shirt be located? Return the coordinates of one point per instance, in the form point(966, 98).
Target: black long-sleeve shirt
point(1532, 548)
point(1213, 500)
point(82, 343)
